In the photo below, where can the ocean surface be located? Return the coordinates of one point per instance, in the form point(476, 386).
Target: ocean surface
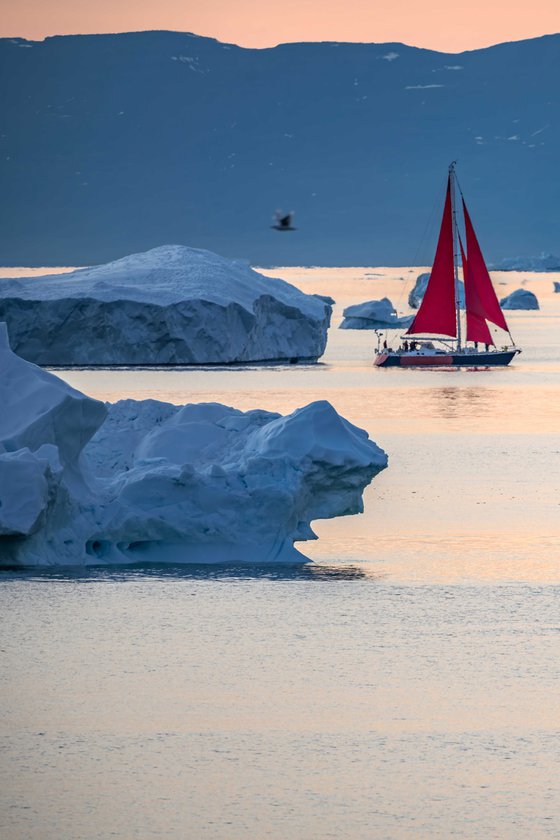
point(404, 685)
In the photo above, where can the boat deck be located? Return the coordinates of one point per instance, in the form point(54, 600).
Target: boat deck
point(439, 358)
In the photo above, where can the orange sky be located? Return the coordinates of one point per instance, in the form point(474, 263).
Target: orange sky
point(438, 24)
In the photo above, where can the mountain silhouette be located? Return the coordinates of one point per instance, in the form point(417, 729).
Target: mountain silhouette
point(113, 144)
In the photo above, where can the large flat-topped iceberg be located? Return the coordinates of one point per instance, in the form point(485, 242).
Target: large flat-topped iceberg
point(86, 484)
point(171, 305)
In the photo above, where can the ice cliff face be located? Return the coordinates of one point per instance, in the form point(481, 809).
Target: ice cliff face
point(170, 305)
point(82, 483)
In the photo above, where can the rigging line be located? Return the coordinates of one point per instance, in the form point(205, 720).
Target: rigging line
point(430, 223)
point(458, 185)
point(428, 229)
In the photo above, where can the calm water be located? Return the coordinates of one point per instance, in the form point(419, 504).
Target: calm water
point(405, 686)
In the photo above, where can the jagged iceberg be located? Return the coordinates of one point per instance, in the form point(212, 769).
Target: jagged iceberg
point(82, 483)
point(520, 299)
point(169, 306)
point(545, 262)
point(373, 315)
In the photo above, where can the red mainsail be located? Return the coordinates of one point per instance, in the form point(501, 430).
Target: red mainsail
point(480, 298)
point(477, 328)
point(437, 312)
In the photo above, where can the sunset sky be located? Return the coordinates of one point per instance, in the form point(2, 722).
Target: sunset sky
point(436, 24)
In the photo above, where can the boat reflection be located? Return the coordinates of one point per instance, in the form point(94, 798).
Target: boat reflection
point(454, 401)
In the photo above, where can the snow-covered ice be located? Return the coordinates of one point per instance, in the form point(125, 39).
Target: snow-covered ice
point(417, 293)
point(83, 483)
point(520, 299)
point(171, 305)
point(372, 315)
point(545, 262)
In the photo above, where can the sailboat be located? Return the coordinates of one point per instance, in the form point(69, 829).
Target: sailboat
point(438, 337)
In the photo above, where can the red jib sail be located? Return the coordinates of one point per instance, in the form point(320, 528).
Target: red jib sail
point(437, 313)
point(478, 286)
point(477, 328)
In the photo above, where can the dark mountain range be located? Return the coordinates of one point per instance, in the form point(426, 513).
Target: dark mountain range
point(112, 144)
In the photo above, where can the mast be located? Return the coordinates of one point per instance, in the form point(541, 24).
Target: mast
point(455, 251)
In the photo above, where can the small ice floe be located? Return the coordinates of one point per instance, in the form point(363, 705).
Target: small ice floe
point(417, 293)
point(373, 315)
point(84, 483)
point(171, 305)
point(520, 299)
point(390, 56)
point(545, 262)
point(422, 87)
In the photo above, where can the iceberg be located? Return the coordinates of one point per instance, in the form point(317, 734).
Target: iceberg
point(372, 315)
point(545, 262)
point(84, 483)
point(417, 294)
point(520, 299)
point(172, 305)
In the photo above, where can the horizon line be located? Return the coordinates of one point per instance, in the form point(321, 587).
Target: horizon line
point(272, 46)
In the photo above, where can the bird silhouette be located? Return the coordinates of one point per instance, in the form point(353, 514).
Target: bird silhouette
point(283, 221)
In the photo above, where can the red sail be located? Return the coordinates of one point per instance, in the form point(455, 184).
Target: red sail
point(484, 301)
point(437, 313)
point(477, 328)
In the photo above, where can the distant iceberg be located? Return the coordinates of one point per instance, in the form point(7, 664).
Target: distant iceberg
point(546, 262)
point(520, 299)
point(169, 306)
point(84, 483)
point(372, 315)
point(417, 293)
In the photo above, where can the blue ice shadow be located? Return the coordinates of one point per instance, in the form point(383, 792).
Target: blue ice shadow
point(216, 572)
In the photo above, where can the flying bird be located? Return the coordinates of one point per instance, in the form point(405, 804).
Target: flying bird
point(283, 221)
